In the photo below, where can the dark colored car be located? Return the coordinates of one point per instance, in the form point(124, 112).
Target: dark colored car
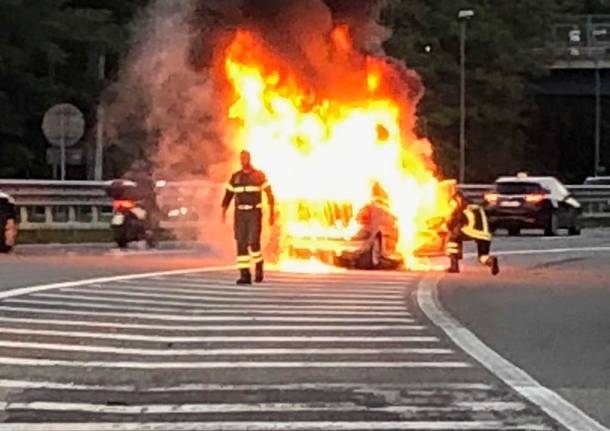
point(597, 181)
point(524, 202)
point(8, 223)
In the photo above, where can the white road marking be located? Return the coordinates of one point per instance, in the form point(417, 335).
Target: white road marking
point(203, 387)
point(548, 251)
point(218, 352)
point(275, 426)
point(234, 310)
point(345, 288)
point(344, 407)
point(248, 292)
point(219, 339)
point(33, 362)
point(208, 328)
point(93, 297)
point(549, 401)
point(43, 287)
point(196, 299)
point(212, 317)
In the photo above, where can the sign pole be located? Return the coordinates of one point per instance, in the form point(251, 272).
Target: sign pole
point(99, 141)
point(62, 128)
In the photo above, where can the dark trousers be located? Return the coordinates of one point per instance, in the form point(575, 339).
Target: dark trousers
point(248, 227)
point(455, 247)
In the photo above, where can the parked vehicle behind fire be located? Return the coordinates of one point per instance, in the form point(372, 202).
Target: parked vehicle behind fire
point(524, 202)
point(8, 223)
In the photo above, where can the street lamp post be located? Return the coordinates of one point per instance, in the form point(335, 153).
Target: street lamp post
point(598, 119)
point(463, 16)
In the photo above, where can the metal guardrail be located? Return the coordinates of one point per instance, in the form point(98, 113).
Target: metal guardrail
point(83, 205)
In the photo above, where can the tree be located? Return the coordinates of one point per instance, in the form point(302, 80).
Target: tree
point(48, 53)
point(500, 63)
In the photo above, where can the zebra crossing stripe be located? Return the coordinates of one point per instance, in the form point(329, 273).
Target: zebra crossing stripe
point(215, 327)
point(219, 352)
point(41, 406)
point(96, 296)
point(225, 310)
point(212, 317)
point(221, 339)
point(278, 426)
point(253, 298)
point(32, 362)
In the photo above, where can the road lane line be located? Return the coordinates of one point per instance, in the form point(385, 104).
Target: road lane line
point(219, 339)
point(277, 426)
point(546, 251)
point(211, 317)
point(195, 299)
point(247, 293)
point(227, 310)
point(346, 286)
point(187, 408)
point(93, 297)
point(35, 362)
point(208, 328)
point(209, 387)
point(43, 287)
point(568, 415)
point(219, 352)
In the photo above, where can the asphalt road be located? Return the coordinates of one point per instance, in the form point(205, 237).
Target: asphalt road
point(350, 351)
point(547, 313)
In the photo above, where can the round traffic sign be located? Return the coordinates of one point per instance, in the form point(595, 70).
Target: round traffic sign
point(63, 124)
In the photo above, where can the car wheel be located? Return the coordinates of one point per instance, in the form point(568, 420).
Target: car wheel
point(371, 259)
point(514, 231)
point(552, 228)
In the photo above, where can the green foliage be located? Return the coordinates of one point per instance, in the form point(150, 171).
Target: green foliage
point(48, 54)
point(500, 62)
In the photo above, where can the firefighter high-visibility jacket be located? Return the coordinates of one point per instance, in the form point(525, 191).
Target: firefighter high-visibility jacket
point(471, 221)
point(247, 186)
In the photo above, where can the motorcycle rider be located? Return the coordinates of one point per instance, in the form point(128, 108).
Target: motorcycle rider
point(140, 173)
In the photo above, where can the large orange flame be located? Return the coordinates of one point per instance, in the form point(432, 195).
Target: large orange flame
point(333, 144)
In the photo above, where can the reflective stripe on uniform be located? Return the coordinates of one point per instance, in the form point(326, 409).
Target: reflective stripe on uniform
point(265, 185)
point(470, 229)
point(243, 262)
point(247, 189)
point(484, 259)
point(230, 188)
point(249, 207)
point(257, 256)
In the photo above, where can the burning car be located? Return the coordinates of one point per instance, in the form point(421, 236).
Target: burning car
point(365, 239)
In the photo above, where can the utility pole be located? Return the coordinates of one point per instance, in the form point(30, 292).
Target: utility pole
point(99, 136)
point(598, 119)
point(463, 17)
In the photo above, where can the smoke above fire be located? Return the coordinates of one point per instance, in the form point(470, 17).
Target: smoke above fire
point(168, 103)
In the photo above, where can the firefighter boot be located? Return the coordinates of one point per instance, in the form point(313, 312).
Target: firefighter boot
point(245, 277)
point(454, 267)
point(494, 265)
point(260, 274)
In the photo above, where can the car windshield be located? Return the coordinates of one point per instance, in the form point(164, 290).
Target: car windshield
point(518, 188)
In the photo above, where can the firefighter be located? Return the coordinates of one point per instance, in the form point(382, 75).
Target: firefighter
point(469, 223)
point(247, 186)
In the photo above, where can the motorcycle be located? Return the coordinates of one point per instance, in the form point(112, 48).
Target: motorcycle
point(129, 221)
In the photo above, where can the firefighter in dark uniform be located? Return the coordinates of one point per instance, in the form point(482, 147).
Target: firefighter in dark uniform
point(247, 186)
point(468, 222)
